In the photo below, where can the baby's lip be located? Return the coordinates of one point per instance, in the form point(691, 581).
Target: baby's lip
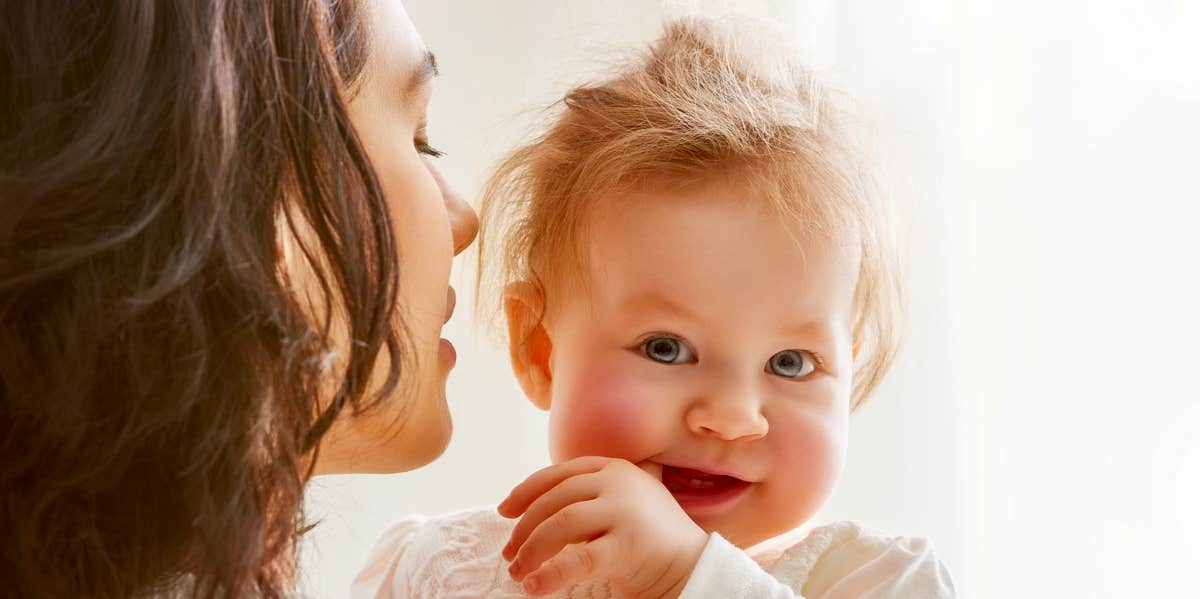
point(702, 493)
point(708, 469)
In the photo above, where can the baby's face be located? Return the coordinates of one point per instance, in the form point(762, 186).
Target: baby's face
point(712, 347)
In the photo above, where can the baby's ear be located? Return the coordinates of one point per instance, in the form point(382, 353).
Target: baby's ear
point(529, 345)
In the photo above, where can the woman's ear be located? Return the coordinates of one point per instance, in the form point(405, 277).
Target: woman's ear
point(529, 346)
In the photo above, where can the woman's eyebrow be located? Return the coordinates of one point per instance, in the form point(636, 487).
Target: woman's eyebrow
point(421, 74)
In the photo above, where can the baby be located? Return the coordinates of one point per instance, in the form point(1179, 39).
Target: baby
point(698, 289)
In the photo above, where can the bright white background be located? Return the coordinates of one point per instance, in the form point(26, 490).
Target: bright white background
point(1043, 424)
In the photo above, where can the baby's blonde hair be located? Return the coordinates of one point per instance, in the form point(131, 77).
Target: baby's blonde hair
point(707, 99)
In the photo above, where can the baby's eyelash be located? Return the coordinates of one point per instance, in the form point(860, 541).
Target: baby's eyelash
point(649, 336)
point(637, 345)
point(817, 358)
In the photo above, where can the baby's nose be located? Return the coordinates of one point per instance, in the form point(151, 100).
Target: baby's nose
point(728, 418)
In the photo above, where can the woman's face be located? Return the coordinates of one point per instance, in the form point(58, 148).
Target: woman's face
point(432, 224)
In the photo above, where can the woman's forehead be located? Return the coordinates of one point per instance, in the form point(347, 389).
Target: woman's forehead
point(397, 57)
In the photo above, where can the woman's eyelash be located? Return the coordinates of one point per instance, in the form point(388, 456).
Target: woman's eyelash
point(423, 147)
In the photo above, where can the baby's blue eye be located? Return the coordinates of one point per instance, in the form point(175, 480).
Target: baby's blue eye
point(792, 364)
point(667, 350)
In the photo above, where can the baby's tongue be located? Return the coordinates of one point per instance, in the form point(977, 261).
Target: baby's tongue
point(685, 481)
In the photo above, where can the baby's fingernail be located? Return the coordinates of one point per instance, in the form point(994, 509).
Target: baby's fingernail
point(513, 568)
point(531, 584)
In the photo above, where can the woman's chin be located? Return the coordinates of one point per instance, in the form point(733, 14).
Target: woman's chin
point(428, 444)
point(384, 442)
point(417, 440)
point(413, 447)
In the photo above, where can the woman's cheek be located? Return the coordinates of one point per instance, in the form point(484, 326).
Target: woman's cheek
point(602, 411)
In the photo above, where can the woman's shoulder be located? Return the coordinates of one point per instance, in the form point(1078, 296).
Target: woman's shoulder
point(478, 527)
point(450, 555)
point(420, 555)
point(847, 559)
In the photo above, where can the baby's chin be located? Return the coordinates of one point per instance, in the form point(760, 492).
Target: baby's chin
point(747, 531)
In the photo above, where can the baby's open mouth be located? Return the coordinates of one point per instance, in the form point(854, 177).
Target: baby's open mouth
point(689, 485)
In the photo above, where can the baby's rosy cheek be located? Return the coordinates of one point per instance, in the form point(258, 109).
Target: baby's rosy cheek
point(807, 462)
point(601, 413)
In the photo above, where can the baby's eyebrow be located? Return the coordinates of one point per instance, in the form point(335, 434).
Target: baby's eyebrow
point(655, 301)
point(818, 326)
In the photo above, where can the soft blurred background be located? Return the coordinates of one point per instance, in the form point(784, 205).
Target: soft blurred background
point(1043, 424)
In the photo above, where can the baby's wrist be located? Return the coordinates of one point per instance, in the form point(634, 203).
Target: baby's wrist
point(686, 563)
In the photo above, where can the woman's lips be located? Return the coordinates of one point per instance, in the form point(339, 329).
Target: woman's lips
point(446, 352)
point(702, 493)
point(450, 301)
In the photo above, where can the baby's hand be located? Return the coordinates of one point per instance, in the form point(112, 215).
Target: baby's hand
point(629, 528)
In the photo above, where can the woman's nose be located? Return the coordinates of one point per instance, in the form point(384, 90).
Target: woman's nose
point(733, 415)
point(464, 223)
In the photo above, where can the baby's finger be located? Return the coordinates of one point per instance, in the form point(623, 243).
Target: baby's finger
point(572, 566)
point(545, 479)
point(576, 523)
point(654, 469)
point(572, 490)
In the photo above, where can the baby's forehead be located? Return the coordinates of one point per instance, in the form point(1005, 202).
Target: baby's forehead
point(786, 199)
point(712, 245)
point(713, 215)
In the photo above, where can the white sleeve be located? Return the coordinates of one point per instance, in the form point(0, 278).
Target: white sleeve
point(377, 579)
point(726, 572)
point(835, 562)
point(844, 561)
point(450, 555)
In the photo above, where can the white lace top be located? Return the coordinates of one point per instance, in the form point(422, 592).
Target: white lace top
point(457, 556)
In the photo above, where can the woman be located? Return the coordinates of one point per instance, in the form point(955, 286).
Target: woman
point(224, 266)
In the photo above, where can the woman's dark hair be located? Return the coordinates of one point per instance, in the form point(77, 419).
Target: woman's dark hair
point(162, 380)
